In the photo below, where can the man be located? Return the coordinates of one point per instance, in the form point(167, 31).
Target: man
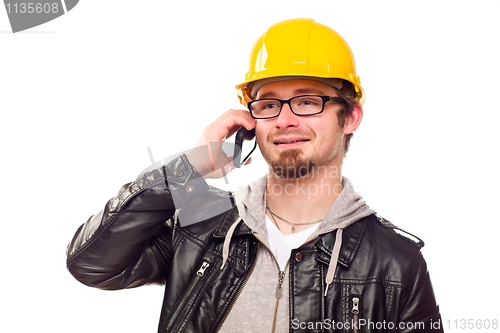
point(296, 251)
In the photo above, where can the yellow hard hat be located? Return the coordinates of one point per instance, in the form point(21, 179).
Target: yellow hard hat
point(299, 48)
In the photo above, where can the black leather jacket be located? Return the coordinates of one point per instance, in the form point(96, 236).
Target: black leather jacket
point(381, 283)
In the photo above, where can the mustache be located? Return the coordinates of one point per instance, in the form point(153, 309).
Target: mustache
point(284, 133)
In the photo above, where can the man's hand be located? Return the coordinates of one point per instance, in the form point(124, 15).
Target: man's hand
point(208, 157)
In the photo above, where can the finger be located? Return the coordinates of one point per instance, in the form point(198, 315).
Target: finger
point(233, 130)
point(248, 124)
point(229, 123)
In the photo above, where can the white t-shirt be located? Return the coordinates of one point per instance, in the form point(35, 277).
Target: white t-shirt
point(282, 245)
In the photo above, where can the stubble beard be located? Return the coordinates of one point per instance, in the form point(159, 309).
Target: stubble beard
point(292, 164)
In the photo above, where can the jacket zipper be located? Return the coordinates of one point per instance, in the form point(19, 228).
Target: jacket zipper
point(355, 312)
point(279, 295)
point(239, 290)
point(279, 290)
point(199, 275)
point(279, 287)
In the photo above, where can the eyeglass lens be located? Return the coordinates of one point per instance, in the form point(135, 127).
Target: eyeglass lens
point(303, 105)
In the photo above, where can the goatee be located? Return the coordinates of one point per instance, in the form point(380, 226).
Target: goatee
point(291, 165)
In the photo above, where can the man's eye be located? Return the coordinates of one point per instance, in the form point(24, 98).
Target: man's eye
point(271, 106)
point(308, 102)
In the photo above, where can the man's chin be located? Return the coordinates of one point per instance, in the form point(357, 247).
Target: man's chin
point(291, 164)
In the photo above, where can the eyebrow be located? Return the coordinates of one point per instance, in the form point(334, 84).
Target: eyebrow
point(305, 91)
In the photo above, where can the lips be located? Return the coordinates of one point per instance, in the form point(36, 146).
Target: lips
point(289, 141)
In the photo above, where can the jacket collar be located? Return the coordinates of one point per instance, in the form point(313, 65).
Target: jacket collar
point(351, 239)
point(230, 217)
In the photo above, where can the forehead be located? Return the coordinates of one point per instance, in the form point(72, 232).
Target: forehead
point(290, 88)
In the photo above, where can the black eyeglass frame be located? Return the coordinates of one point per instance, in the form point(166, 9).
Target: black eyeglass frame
point(288, 101)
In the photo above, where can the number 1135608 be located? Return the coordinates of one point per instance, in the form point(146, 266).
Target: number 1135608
point(472, 324)
point(32, 8)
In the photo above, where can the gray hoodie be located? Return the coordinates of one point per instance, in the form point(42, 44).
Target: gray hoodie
point(257, 309)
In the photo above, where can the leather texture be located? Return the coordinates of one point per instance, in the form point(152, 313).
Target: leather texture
point(137, 239)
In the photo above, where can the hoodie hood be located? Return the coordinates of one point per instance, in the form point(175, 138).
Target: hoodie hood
point(348, 208)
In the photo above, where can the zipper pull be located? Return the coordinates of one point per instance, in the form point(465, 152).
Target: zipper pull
point(355, 312)
point(279, 287)
point(202, 269)
point(355, 305)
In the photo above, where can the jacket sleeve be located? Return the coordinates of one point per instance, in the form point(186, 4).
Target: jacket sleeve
point(128, 243)
point(420, 312)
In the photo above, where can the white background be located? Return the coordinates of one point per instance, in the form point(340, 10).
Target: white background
point(83, 96)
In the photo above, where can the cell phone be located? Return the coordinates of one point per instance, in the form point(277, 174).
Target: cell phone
point(238, 146)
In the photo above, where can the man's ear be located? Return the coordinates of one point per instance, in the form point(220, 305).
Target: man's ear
point(354, 119)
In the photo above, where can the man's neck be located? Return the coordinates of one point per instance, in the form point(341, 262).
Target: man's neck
point(304, 199)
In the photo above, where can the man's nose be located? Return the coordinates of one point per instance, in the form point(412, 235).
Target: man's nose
point(286, 117)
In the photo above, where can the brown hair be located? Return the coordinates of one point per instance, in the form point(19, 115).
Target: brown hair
point(349, 94)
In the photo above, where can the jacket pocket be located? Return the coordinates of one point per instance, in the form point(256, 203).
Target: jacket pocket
point(190, 291)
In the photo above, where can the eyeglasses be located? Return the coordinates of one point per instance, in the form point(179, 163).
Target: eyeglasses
point(303, 105)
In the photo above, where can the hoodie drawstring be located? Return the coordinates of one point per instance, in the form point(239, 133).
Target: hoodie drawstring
point(333, 259)
point(227, 241)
